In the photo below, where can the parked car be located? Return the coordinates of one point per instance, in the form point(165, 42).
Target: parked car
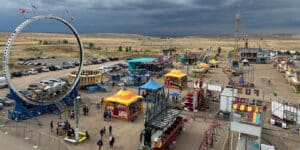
point(17, 74)
point(37, 63)
point(32, 71)
point(25, 73)
point(68, 64)
point(58, 67)
point(46, 82)
point(45, 69)
point(58, 82)
point(33, 86)
point(77, 63)
point(52, 68)
point(105, 69)
point(1, 105)
point(45, 57)
point(7, 101)
point(3, 82)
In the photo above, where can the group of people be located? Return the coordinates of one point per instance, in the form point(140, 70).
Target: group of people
point(103, 133)
point(62, 127)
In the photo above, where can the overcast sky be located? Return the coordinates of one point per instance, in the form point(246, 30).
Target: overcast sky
point(158, 17)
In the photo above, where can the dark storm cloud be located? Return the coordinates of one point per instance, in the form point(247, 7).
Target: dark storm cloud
point(165, 17)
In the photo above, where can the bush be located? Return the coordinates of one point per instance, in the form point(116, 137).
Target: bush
point(91, 45)
point(65, 41)
point(45, 42)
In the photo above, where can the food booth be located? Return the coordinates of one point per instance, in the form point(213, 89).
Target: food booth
point(124, 105)
point(176, 78)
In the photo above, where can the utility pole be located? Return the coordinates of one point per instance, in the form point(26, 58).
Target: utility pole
point(235, 62)
point(76, 108)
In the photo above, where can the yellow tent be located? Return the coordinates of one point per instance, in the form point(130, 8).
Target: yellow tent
point(176, 78)
point(204, 65)
point(213, 61)
point(176, 73)
point(124, 104)
point(124, 97)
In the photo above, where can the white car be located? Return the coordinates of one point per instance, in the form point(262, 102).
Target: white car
point(3, 82)
point(105, 69)
point(45, 69)
point(57, 82)
point(32, 71)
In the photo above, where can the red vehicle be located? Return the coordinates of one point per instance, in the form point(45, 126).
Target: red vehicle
point(169, 135)
point(162, 139)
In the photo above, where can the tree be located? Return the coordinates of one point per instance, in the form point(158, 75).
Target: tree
point(127, 49)
point(219, 50)
point(91, 45)
point(120, 49)
point(45, 42)
point(65, 41)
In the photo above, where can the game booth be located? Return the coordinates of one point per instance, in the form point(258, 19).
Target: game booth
point(124, 104)
point(176, 78)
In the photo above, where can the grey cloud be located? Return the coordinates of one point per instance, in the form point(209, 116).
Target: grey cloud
point(166, 17)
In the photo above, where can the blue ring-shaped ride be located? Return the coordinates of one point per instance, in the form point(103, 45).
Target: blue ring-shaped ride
point(6, 55)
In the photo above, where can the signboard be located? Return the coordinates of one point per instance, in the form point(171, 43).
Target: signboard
point(250, 93)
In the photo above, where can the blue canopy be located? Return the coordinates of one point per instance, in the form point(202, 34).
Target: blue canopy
point(151, 85)
point(133, 62)
point(174, 94)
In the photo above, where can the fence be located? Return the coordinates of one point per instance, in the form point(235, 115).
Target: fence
point(30, 132)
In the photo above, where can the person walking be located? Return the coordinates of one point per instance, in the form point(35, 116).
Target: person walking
point(110, 130)
point(109, 114)
point(111, 141)
point(51, 125)
point(101, 133)
point(84, 110)
point(104, 131)
point(99, 144)
point(87, 135)
point(72, 116)
point(104, 115)
point(102, 102)
point(87, 110)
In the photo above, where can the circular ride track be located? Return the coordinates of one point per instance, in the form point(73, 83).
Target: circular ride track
point(6, 56)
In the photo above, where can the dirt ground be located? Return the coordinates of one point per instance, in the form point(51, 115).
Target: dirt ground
point(10, 142)
point(127, 133)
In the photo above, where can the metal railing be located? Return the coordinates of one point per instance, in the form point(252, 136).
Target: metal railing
point(30, 133)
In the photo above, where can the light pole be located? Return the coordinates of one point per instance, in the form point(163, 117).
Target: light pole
point(76, 108)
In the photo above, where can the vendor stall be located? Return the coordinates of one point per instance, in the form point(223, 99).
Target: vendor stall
point(124, 104)
point(176, 78)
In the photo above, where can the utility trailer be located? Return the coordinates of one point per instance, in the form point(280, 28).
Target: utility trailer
point(284, 114)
